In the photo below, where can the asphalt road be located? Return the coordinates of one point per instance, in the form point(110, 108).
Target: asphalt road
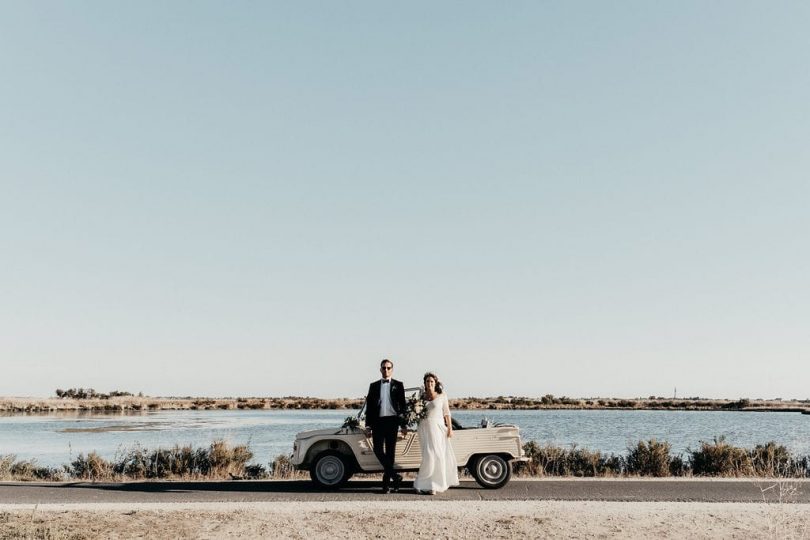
point(298, 490)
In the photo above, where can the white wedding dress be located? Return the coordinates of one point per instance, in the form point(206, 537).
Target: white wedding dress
point(438, 470)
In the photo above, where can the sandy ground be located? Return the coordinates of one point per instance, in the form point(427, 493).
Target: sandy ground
point(420, 519)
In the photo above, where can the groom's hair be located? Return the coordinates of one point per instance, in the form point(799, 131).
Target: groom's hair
point(386, 360)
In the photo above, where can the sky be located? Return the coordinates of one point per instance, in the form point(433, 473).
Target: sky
point(267, 198)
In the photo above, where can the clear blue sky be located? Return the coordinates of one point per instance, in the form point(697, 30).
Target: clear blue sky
point(577, 198)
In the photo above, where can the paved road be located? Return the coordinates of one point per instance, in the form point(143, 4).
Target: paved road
point(252, 491)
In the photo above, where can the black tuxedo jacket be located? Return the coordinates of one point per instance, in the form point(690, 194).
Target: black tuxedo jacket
point(373, 401)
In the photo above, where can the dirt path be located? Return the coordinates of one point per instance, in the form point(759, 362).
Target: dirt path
point(395, 519)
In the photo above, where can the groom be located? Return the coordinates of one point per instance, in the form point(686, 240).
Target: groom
point(385, 413)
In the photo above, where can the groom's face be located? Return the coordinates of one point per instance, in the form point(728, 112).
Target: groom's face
point(387, 370)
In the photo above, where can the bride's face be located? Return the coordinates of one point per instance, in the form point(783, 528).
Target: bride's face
point(430, 384)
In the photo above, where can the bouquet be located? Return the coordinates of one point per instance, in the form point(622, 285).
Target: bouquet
point(350, 424)
point(416, 410)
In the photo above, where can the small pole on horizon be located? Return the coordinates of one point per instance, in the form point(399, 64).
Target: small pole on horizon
point(675, 394)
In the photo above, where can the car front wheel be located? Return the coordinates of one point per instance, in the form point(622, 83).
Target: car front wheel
point(330, 470)
point(491, 471)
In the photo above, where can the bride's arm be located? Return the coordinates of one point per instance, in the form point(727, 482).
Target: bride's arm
point(446, 412)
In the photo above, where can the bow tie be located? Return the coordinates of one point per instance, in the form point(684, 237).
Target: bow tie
point(386, 382)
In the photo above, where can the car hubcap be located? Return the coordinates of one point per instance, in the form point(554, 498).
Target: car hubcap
point(491, 470)
point(330, 470)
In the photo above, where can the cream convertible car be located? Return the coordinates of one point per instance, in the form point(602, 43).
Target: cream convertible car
point(332, 456)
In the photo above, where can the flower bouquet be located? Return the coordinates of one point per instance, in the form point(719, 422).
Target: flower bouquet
point(350, 424)
point(416, 410)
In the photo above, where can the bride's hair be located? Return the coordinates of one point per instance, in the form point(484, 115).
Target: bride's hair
point(439, 385)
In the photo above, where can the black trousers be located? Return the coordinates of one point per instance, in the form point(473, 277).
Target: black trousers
point(384, 437)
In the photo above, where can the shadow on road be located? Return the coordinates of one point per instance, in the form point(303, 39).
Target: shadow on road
point(234, 486)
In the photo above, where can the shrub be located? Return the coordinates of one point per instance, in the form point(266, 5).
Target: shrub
point(555, 461)
point(678, 467)
point(282, 468)
point(6, 461)
point(93, 467)
point(29, 470)
point(11, 469)
point(650, 458)
point(719, 459)
point(217, 461)
point(739, 404)
point(255, 472)
point(532, 466)
point(222, 460)
point(772, 459)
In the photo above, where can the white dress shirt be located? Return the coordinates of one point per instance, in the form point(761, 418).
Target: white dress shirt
point(386, 408)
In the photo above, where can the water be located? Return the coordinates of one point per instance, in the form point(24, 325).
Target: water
point(54, 439)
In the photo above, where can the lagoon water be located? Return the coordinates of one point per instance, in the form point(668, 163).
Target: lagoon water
point(57, 438)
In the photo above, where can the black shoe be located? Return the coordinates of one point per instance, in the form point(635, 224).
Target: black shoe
point(397, 481)
point(385, 490)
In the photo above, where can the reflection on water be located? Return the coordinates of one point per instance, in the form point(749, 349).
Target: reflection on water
point(56, 438)
point(140, 426)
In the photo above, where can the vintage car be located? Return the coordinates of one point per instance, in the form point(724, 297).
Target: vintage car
point(332, 456)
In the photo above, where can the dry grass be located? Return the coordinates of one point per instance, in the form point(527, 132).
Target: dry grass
point(222, 461)
point(215, 462)
point(718, 458)
point(653, 458)
point(552, 460)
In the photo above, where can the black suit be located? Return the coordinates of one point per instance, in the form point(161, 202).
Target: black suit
point(384, 429)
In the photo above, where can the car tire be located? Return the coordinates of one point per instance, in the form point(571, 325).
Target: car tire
point(491, 471)
point(330, 470)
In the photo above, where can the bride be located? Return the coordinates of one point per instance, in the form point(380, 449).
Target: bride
point(438, 470)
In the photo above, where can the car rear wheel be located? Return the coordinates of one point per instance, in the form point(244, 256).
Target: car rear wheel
point(330, 470)
point(491, 471)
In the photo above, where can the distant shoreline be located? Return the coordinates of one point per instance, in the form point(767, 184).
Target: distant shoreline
point(548, 402)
